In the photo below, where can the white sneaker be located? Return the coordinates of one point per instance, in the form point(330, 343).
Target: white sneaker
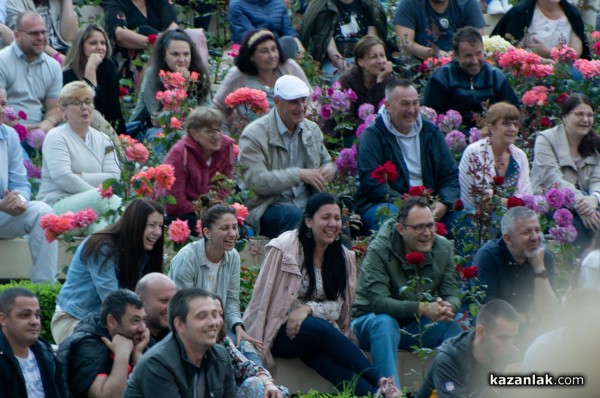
point(506, 5)
point(494, 7)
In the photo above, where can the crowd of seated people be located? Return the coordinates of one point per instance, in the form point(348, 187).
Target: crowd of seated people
point(311, 301)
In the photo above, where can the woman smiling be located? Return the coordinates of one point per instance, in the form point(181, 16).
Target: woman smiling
point(197, 157)
point(213, 263)
point(568, 156)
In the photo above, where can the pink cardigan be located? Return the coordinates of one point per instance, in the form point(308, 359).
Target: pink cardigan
point(277, 288)
point(192, 175)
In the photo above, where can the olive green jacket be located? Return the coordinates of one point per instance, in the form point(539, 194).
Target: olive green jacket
point(384, 276)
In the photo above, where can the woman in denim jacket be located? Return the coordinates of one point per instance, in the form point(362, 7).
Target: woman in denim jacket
point(116, 257)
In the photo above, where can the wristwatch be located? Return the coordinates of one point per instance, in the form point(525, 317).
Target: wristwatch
point(542, 274)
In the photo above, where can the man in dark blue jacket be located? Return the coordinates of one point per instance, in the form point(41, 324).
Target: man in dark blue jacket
point(468, 82)
point(28, 366)
point(415, 147)
point(463, 364)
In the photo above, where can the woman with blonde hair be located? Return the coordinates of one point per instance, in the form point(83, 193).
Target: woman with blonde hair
point(77, 158)
point(89, 60)
point(495, 155)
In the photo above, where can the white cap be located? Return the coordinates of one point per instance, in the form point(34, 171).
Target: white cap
point(289, 87)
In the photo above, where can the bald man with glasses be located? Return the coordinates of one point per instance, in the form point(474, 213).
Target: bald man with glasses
point(31, 78)
point(389, 310)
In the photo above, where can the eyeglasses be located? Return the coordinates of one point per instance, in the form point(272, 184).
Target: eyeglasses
point(86, 102)
point(212, 132)
point(420, 228)
point(583, 115)
point(36, 33)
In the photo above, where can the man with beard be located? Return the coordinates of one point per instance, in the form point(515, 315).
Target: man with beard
point(98, 357)
point(517, 268)
point(28, 367)
point(468, 82)
point(155, 290)
point(463, 363)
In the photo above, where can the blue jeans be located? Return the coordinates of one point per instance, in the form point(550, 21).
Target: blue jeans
point(331, 354)
point(247, 349)
point(380, 334)
point(373, 217)
point(280, 218)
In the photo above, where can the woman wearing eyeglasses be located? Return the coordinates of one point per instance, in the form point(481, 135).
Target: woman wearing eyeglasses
point(197, 157)
point(494, 155)
point(76, 157)
point(568, 156)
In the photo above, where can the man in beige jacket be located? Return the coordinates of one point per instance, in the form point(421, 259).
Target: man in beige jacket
point(283, 160)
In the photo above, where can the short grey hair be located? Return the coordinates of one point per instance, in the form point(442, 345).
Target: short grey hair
point(512, 216)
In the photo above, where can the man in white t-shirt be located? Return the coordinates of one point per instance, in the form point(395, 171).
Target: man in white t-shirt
point(28, 366)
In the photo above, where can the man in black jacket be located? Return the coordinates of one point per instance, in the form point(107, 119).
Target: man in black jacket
point(28, 366)
point(463, 364)
point(99, 355)
point(468, 82)
point(188, 363)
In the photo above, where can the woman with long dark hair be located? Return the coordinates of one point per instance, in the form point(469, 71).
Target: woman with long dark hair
point(89, 60)
point(301, 303)
point(258, 65)
point(568, 156)
point(116, 257)
point(174, 51)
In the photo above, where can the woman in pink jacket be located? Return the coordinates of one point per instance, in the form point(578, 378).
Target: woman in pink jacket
point(302, 298)
point(197, 157)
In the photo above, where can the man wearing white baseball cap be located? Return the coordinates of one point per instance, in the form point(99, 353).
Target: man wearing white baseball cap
point(284, 160)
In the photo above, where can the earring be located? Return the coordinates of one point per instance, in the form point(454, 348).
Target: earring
point(337, 238)
point(309, 234)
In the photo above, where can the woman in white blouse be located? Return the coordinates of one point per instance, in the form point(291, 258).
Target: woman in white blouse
point(77, 158)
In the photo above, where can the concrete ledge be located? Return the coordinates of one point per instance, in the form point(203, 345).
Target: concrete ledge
point(15, 259)
point(298, 377)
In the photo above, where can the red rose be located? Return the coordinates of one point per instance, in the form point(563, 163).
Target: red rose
point(440, 228)
point(498, 180)
point(418, 190)
point(458, 205)
point(415, 258)
point(123, 91)
point(597, 48)
point(514, 202)
point(22, 115)
point(385, 172)
point(468, 272)
point(152, 38)
point(562, 98)
point(545, 122)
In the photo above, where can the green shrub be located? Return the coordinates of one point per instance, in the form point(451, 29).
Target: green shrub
point(46, 295)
